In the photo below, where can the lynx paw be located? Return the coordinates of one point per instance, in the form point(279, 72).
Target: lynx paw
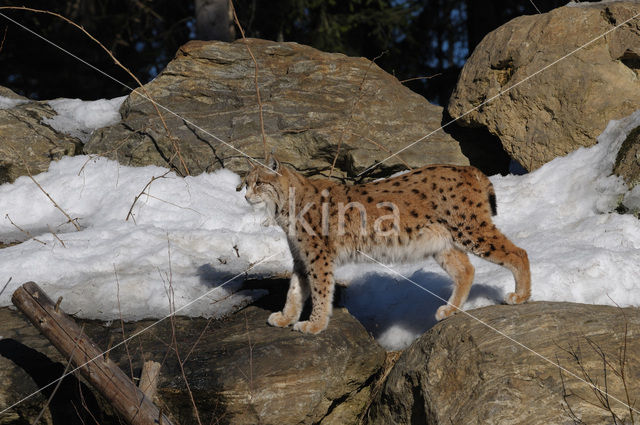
point(308, 327)
point(445, 311)
point(513, 298)
point(279, 320)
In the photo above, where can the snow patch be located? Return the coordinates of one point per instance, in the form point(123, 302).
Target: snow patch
point(8, 102)
point(80, 118)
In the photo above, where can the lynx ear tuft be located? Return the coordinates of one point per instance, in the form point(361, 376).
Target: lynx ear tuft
point(273, 163)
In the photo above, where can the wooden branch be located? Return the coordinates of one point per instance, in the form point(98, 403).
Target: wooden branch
point(103, 374)
point(149, 379)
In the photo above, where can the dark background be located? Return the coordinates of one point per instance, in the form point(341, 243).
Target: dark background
point(417, 38)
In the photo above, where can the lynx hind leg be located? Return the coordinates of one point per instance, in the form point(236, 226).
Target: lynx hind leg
point(296, 296)
point(322, 286)
point(457, 265)
point(497, 248)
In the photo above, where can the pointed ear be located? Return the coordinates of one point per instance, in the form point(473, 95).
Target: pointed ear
point(273, 163)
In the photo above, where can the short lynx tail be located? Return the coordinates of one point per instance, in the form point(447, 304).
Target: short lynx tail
point(492, 201)
point(488, 187)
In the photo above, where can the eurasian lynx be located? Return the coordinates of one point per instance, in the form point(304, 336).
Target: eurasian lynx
point(440, 210)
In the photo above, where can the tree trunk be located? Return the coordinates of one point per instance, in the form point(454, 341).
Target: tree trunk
point(214, 20)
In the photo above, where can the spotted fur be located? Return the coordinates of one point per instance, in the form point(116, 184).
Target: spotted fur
point(442, 211)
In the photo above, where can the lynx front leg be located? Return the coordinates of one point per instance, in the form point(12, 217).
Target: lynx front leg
point(322, 286)
point(296, 296)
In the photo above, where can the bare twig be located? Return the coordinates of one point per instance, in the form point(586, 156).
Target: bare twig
point(75, 409)
point(124, 337)
point(56, 236)
point(120, 65)
point(353, 108)
point(4, 37)
point(255, 77)
point(246, 326)
point(390, 360)
point(565, 396)
point(153, 178)
point(90, 157)
point(170, 203)
point(197, 339)
point(5, 285)
point(420, 78)
point(84, 403)
point(29, 235)
point(172, 319)
point(601, 392)
point(384, 148)
point(55, 204)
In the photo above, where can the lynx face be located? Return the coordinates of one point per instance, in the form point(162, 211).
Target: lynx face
point(442, 211)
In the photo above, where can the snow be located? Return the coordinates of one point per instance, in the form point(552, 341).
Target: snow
point(79, 118)
point(9, 102)
point(198, 232)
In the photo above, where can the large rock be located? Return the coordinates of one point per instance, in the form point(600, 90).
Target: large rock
point(627, 163)
point(27, 144)
point(312, 103)
point(463, 372)
point(240, 370)
point(566, 105)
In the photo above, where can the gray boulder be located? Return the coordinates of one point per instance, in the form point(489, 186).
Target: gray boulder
point(27, 144)
point(240, 370)
point(312, 101)
point(463, 372)
point(568, 104)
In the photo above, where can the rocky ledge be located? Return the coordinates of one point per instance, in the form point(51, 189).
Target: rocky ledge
point(240, 370)
point(499, 367)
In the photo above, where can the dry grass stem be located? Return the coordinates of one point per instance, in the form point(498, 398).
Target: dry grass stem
point(390, 360)
point(55, 204)
point(121, 66)
point(255, 77)
point(174, 340)
point(84, 403)
point(142, 192)
point(420, 78)
point(90, 157)
point(206, 326)
point(5, 285)
point(384, 148)
point(170, 203)
point(351, 112)
point(4, 37)
point(246, 326)
point(600, 390)
point(29, 235)
point(55, 389)
point(124, 337)
point(56, 236)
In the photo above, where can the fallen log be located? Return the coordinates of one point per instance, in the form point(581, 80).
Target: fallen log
point(102, 373)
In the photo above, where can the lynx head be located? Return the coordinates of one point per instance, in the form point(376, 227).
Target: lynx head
point(267, 184)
